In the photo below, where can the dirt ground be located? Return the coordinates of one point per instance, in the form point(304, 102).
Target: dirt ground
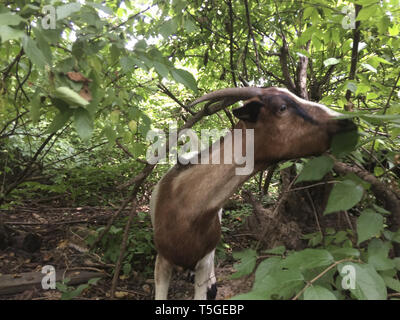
point(59, 230)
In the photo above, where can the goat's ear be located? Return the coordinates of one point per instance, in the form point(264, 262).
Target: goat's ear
point(249, 112)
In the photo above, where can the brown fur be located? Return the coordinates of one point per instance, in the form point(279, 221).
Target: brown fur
point(186, 225)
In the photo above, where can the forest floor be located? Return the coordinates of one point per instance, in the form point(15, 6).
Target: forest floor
point(61, 246)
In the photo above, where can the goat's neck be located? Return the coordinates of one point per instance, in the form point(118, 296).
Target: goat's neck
point(212, 184)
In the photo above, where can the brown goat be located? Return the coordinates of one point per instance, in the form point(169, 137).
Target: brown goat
point(186, 203)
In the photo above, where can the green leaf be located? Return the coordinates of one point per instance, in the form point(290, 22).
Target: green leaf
point(110, 134)
point(369, 285)
point(378, 60)
point(277, 250)
point(380, 209)
point(10, 19)
point(318, 293)
point(246, 266)
point(392, 283)
point(252, 295)
point(189, 25)
point(34, 112)
point(184, 77)
point(308, 12)
point(66, 10)
point(161, 69)
point(93, 280)
point(316, 169)
point(8, 33)
point(265, 268)
point(74, 293)
point(132, 125)
point(341, 253)
point(380, 118)
point(308, 259)
point(344, 195)
point(33, 52)
point(352, 176)
point(83, 123)
point(369, 224)
point(369, 67)
point(168, 27)
point(344, 143)
point(60, 120)
point(114, 116)
point(351, 86)
point(367, 12)
point(285, 165)
point(43, 45)
point(101, 7)
point(114, 52)
point(282, 284)
point(306, 35)
point(331, 61)
point(378, 252)
point(316, 42)
point(70, 96)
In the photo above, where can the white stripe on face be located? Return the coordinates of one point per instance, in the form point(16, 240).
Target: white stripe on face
point(310, 103)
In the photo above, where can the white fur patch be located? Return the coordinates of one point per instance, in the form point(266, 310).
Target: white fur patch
point(310, 103)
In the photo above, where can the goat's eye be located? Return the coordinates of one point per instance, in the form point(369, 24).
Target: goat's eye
point(283, 108)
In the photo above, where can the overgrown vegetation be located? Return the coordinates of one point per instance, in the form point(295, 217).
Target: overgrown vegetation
point(78, 97)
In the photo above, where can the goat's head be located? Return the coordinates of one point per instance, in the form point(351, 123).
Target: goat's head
point(285, 126)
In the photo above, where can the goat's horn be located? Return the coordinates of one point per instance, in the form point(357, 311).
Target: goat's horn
point(235, 94)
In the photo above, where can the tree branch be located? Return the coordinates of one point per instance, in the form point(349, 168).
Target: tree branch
point(230, 27)
point(302, 74)
point(354, 56)
point(251, 35)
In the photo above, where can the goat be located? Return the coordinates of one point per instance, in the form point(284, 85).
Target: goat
point(186, 203)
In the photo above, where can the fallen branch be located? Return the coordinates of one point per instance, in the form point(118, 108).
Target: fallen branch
point(15, 283)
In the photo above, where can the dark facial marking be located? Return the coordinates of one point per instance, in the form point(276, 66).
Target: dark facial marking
point(279, 100)
point(248, 112)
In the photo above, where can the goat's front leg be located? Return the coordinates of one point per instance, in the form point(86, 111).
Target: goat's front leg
point(204, 281)
point(162, 277)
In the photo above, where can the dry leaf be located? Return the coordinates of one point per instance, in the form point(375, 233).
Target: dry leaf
point(146, 288)
point(121, 294)
point(85, 93)
point(123, 277)
point(77, 77)
point(62, 244)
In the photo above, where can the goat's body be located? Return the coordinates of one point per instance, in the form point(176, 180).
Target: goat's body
point(195, 220)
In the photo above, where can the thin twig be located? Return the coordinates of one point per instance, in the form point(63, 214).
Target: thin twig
point(251, 35)
point(322, 274)
point(122, 249)
point(314, 211)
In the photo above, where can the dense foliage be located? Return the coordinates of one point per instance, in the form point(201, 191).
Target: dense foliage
point(82, 82)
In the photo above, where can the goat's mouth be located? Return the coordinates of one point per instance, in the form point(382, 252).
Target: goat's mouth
point(345, 137)
point(345, 125)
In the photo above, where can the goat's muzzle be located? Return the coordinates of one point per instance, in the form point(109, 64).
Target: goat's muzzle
point(345, 125)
